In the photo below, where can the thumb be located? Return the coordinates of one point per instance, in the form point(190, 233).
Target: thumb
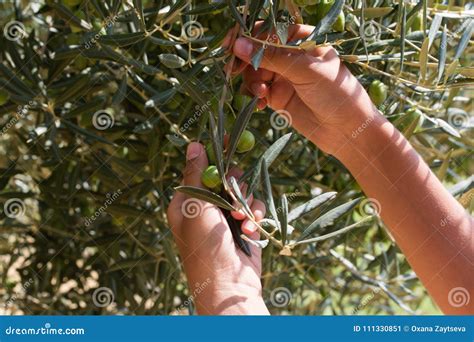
point(196, 163)
point(288, 63)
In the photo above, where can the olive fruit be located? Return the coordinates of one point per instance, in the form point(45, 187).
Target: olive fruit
point(210, 177)
point(323, 8)
point(240, 101)
point(417, 23)
point(378, 92)
point(4, 96)
point(340, 23)
point(246, 142)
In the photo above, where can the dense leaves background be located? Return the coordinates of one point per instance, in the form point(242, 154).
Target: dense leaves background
point(99, 99)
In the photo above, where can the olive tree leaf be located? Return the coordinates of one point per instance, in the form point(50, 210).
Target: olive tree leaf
point(424, 59)
point(447, 128)
point(123, 39)
point(121, 93)
point(171, 61)
point(283, 218)
point(269, 157)
point(329, 218)
point(235, 12)
point(403, 29)
point(310, 205)
point(282, 32)
point(466, 36)
point(257, 58)
point(205, 195)
point(239, 195)
point(239, 126)
point(254, 10)
point(326, 23)
point(69, 16)
point(442, 54)
point(267, 190)
point(217, 146)
point(435, 24)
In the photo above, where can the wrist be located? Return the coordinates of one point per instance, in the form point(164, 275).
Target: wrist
point(223, 298)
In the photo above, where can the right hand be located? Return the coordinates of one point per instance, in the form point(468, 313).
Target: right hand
point(324, 100)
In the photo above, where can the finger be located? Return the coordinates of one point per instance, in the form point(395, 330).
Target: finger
point(292, 64)
point(258, 210)
point(174, 214)
point(295, 32)
point(261, 75)
point(260, 89)
point(261, 104)
point(196, 163)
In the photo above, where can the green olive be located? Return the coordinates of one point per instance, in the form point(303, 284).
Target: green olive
point(323, 8)
point(410, 115)
point(240, 101)
point(378, 92)
point(210, 177)
point(417, 23)
point(246, 142)
point(340, 22)
point(4, 97)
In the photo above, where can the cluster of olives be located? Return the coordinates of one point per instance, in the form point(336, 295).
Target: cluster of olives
point(210, 177)
point(320, 8)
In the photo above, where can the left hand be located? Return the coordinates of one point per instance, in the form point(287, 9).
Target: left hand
point(229, 280)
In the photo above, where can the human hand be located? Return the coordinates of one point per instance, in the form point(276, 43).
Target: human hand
point(229, 280)
point(323, 100)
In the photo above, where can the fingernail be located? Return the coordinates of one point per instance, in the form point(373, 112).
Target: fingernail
point(248, 227)
point(193, 151)
point(243, 47)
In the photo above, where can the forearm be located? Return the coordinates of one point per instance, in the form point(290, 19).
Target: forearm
point(430, 226)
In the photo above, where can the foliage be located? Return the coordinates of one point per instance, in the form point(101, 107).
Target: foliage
point(99, 98)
